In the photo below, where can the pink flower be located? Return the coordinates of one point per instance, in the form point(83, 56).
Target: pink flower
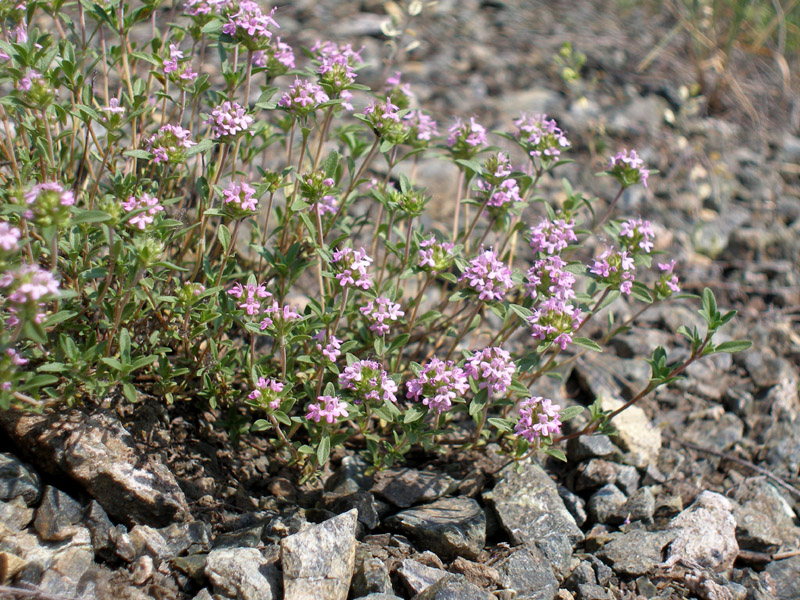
point(540, 136)
point(555, 321)
point(228, 119)
point(491, 368)
point(251, 295)
point(628, 168)
point(380, 312)
point(466, 139)
point(240, 198)
point(368, 382)
point(303, 97)
point(668, 282)
point(113, 107)
point(488, 276)
point(438, 384)
point(552, 236)
point(250, 25)
point(351, 264)
point(279, 317)
point(266, 393)
point(548, 278)
point(169, 144)
point(150, 205)
point(538, 417)
point(637, 234)
point(615, 269)
point(9, 237)
point(36, 193)
point(29, 285)
point(435, 256)
point(331, 350)
point(422, 128)
point(333, 409)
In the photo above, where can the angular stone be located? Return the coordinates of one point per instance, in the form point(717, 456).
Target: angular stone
point(595, 474)
point(370, 576)
point(785, 574)
point(247, 537)
point(242, 573)
point(100, 526)
point(191, 537)
point(606, 503)
point(636, 552)
point(419, 577)
point(380, 597)
point(350, 477)
point(635, 432)
point(15, 515)
point(639, 507)
point(478, 574)
point(575, 505)
point(753, 531)
point(360, 500)
point(10, 565)
point(18, 480)
point(591, 446)
point(57, 515)
point(454, 587)
point(193, 566)
point(149, 542)
point(529, 507)
point(406, 487)
point(99, 453)
point(318, 563)
point(450, 527)
point(527, 571)
point(706, 534)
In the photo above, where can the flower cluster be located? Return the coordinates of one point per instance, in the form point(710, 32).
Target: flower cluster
point(250, 25)
point(251, 296)
point(615, 269)
point(438, 384)
point(173, 63)
point(277, 58)
point(239, 200)
point(504, 195)
point(319, 190)
point(435, 257)
point(170, 143)
point(538, 418)
point(9, 360)
point(9, 237)
point(466, 139)
point(555, 322)
point(36, 90)
point(540, 137)
point(49, 203)
point(497, 168)
point(551, 237)
point(332, 410)
point(386, 121)
point(351, 264)
point(399, 93)
point(195, 8)
point(628, 168)
point(28, 286)
point(266, 393)
point(379, 311)
point(279, 318)
point(488, 275)
point(636, 233)
point(491, 368)
point(149, 207)
point(303, 98)
point(421, 128)
point(332, 348)
point(548, 278)
point(336, 65)
point(228, 119)
point(667, 283)
point(367, 381)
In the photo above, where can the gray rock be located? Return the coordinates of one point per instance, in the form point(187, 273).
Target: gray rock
point(528, 572)
point(482, 575)
point(380, 597)
point(643, 115)
point(407, 487)
point(18, 480)
point(639, 507)
point(532, 101)
point(627, 479)
point(705, 534)
point(575, 505)
point(191, 537)
point(637, 552)
point(247, 537)
point(591, 446)
point(350, 477)
point(100, 526)
point(418, 577)
point(193, 566)
point(582, 574)
point(712, 238)
point(99, 453)
point(318, 563)
point(363, 502)
point(454, 587)
point(15, 515)
point(719, 434)
point(595, 474)
point(785, 574)
point(606, 503)
point(57, 515)
point(370, 576)
point(635, 432)
point(203, 594)
point(242, 573)
point(149, 542)
point(757, 498)
point(449, 527)
point(123, 547)
point(557, 549)
point(592, 591)
point(529, 507)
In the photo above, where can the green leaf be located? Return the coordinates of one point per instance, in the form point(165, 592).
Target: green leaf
point(733, 346)
point(587, 343)
point(709, 302)
point(478, 402)
point(224, 237)
point(413, 414)
point(202, 146)
point(129, 392)
point(260, 425)
point(641, 293)
point(143, 154)
point(90, 216)
point(113, 363)
point(501, 424)
point(323, 450)
point(522, 312)
point(125, 346)
point(555, 453)
point(59, 317)
point(570, 413)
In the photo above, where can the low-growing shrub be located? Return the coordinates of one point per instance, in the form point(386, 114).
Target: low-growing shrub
point(215, 218)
